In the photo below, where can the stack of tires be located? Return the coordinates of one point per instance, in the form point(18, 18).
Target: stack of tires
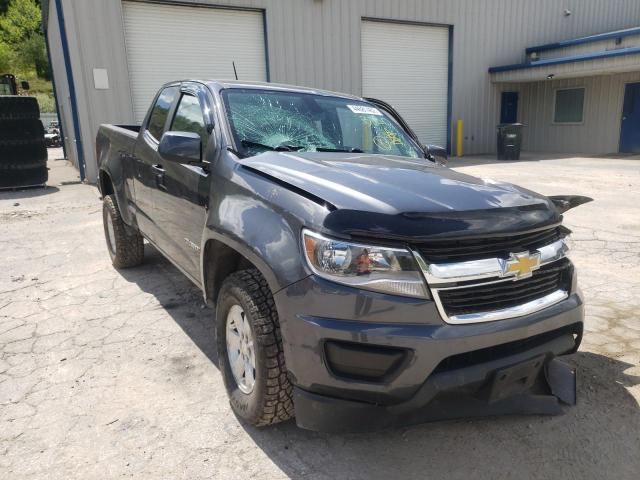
point(23, 153)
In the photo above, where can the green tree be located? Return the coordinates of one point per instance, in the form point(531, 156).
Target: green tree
point(6, 58)
point(20, 32)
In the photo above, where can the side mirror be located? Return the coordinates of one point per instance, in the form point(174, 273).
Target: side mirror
point(181, 147)
point(436, 153)
point(25, 85)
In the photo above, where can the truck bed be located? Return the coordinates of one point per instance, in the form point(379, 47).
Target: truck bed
point(131, 130)
point(114, 140)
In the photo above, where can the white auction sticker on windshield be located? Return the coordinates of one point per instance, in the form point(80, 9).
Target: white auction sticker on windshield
point(363, 109)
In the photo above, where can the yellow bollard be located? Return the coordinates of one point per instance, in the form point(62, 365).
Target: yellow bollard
point(459, 133)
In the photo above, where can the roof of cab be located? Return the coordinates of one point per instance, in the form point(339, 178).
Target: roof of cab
point(225, 84)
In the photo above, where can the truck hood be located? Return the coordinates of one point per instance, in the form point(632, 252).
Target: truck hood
point(404, 198)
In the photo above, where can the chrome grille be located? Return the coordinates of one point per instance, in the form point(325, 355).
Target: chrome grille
point(506, 293)
point(496, 288)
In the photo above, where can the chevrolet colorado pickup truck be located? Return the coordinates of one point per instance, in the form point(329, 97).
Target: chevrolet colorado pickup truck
point(358, 283)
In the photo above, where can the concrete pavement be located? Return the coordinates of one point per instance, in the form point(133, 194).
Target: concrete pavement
point(108, 374)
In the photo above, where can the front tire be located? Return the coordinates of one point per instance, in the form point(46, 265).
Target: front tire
point(126, 248)
point(250, 352)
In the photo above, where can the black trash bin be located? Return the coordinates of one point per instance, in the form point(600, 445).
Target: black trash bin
point(509, 141)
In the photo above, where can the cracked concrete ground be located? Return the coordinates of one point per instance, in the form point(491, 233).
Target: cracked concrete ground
point(107, 374)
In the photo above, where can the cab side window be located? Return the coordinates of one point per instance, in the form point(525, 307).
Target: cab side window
point(158, 117)
point(189, 118)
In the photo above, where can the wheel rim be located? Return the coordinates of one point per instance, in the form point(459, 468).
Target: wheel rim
point(240, 349)
point(111, 233)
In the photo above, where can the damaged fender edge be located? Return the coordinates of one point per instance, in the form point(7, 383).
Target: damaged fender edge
point(567, 202)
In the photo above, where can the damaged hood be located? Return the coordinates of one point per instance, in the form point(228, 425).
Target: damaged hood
point(399, 197)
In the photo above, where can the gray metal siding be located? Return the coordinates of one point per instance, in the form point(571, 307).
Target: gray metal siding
point(317, 43)
point(599, 132)
point(96, 40)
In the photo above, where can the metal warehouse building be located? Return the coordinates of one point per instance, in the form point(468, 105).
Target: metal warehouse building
point(569, 70)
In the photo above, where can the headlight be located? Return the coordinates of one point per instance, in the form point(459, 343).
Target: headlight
point(382, 269)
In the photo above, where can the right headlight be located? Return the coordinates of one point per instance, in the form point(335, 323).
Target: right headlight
point(370, 267)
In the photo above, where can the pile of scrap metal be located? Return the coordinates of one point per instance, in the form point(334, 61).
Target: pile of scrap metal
point(52, 137)
point(23, 153)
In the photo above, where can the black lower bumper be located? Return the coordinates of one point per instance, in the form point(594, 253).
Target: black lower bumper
point(538, 384)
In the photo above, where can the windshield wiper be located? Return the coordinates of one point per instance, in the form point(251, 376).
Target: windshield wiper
point(236, 153)
point(278, 148)
point(346, 149)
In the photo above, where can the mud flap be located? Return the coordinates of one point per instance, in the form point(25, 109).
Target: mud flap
point(561, 378)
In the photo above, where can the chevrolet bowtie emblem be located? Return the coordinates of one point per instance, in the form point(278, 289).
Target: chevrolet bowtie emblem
point(521, 265)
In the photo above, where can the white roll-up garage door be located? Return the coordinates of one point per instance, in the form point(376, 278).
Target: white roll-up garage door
point(407, 66)
point(174, 42)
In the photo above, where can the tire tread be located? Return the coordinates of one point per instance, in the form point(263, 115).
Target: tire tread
point(277, 404)
point(129, 245)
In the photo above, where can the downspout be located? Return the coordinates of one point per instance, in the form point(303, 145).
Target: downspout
point(72, 89)
point(55, 93)
point(449, 89)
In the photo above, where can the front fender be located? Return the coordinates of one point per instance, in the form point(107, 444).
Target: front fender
point(261, 256)
point(265, 234)
point(260, 219)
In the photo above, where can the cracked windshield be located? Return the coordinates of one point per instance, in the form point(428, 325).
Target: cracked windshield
point(264, 120)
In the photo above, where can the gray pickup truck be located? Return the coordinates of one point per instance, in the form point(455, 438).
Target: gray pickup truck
point(358, 283)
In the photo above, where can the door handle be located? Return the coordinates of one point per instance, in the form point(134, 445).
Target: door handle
point(159, 175)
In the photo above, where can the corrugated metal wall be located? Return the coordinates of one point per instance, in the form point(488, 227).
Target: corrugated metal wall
point(317, 43)
point(389, 52)
point(600, 131)
point(96, 40)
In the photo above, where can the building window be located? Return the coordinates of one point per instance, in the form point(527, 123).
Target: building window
point(569, 106)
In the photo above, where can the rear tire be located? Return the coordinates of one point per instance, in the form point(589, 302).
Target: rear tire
point(126, 247)
point(267, 397)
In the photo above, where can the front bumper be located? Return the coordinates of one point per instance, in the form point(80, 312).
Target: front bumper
point(442, 397)
point(446, 365)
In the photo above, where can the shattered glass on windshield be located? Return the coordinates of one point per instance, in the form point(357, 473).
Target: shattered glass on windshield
point(268, 120)
point(289, 121)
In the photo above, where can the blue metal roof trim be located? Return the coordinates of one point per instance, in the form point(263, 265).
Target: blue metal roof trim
point(560, 60)
point(579, 41)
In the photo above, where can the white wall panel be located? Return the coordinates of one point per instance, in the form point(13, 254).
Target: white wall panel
point(406, 65)
point(170, 42)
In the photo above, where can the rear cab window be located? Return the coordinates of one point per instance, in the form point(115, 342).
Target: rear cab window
point(160, 112)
